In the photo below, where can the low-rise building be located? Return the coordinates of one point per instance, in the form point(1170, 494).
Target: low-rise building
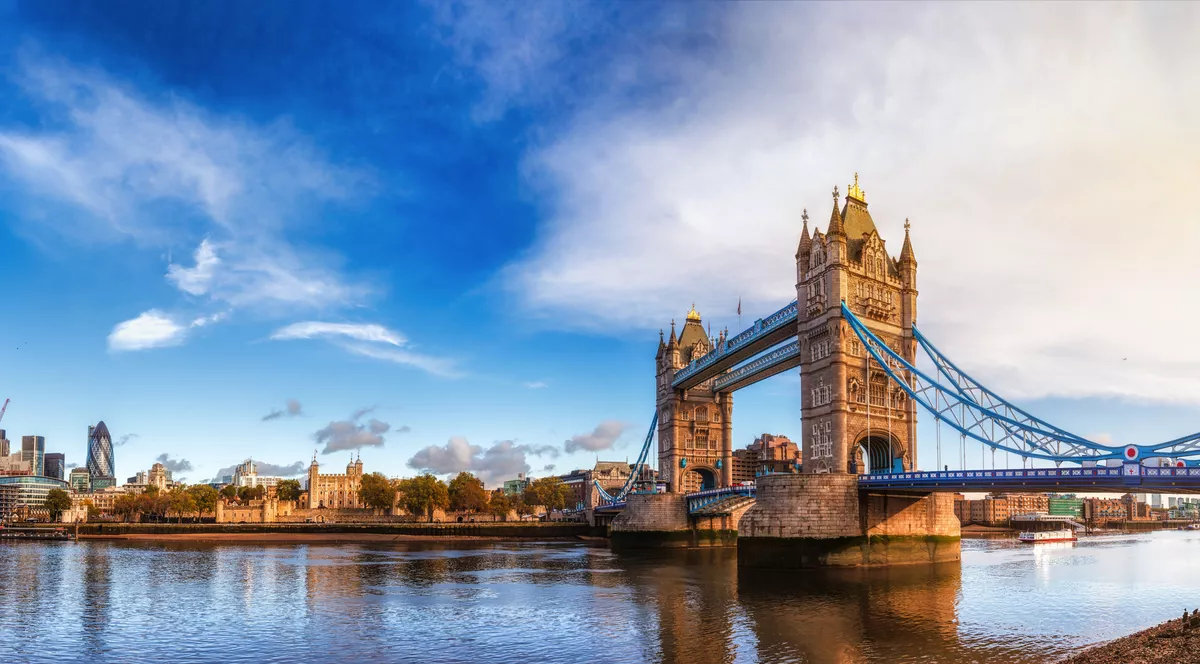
point(1027, 503)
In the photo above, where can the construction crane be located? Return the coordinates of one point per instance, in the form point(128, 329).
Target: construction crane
point(4, 409)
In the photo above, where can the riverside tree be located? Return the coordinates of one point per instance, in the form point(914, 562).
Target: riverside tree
point(57, 501)
point(377, 491)
point(181, 502)
point(288, 490)
point(499, 505)
point(423, 494)
point(467, 493)
point(204, 496)
point(549, 492)
point(229, 492)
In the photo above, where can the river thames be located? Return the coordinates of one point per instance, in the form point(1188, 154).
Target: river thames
point(112, 601)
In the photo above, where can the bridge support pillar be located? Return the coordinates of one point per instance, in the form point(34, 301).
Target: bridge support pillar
point(661, 520)
point(826, 521)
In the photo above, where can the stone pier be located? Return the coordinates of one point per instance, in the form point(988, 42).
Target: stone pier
point(824, 520)
point(661, 520)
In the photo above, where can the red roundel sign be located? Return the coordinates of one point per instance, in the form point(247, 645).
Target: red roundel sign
point(1179, 463)
point(1131, 453)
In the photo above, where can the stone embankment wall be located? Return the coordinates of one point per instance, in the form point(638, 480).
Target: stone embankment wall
point(436, 530)
point(824, 520)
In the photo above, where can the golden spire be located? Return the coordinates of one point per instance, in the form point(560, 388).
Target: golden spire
point(856, 192)
point(692, 315)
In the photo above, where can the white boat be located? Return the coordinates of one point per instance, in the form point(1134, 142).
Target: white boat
point(1065, 535)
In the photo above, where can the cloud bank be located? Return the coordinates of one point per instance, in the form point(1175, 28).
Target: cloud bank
point(1038, 149)
point(349, 434)
point(601, 438)
point(502, 461)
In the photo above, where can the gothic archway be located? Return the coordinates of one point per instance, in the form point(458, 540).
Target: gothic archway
point(874, 454)
point(699, 479)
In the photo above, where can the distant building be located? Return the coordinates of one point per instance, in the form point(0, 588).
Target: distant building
point(246, 474)
point(610, 475)
point(56, 465)
point(1065, 505)
point(15, 464)
point(990, 511)
point(1104, 509)
point(80, 481)
point(5, 443)
point(516, 487)
point(335, 491)
point(101, 461)
point(33, 450)
point(1027, 503)
point(767, 454)
point(26, 491)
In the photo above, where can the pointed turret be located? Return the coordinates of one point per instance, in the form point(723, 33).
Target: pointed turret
point(662, 346)
point(836, 227)
point(674, 342)
point(805, 240)
point(906, 252)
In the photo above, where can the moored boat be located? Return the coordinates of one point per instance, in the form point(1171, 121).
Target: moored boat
point(1065, 535)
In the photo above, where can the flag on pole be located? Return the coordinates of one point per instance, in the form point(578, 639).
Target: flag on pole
point(739, 306)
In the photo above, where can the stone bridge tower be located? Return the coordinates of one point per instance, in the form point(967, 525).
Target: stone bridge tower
point(855, 419)
point(695, 430)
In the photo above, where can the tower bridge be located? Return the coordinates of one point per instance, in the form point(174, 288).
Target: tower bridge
point(859, 497)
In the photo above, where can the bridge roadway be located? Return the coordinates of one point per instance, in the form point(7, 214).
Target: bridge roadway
point(1128, 478)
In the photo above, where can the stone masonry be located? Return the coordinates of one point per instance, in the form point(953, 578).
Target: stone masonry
point(825, 521)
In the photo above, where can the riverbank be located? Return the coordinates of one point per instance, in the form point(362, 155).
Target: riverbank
point(1173, 642)
point(302, 533)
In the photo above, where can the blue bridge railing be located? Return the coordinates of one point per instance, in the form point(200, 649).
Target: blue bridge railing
point(702, 499)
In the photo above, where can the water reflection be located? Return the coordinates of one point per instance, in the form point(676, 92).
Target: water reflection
point(486, 602)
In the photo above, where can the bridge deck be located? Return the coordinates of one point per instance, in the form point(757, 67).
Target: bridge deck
point(1125, 479)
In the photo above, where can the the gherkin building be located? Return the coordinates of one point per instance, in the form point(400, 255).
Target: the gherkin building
point(101, 464)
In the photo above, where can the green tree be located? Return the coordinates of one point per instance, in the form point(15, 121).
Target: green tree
point(92, 512)
point(549, 492)
point(181, 502)
point(228, 492)
point(248, 493)
point(377, 491)
point(424, 494)
point(467, 493)
point(125, 506)
point(288, 490)
point(57, 501)
point(499, 505)
point(150, 490)
point(204, 496)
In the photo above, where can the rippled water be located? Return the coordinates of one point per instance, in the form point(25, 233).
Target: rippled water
point(106, 601)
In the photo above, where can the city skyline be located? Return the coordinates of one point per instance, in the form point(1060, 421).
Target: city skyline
point(262, 247)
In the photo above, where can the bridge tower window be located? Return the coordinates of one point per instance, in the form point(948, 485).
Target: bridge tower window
point(701, 414)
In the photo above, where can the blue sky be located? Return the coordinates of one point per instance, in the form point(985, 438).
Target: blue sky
point(451, 232)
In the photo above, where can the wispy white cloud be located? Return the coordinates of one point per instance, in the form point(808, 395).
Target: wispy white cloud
point(166, 173)
point(156, 329)
point(152, 329)
point(1038, 149)
point(369, 340)
point(536, 384)
point(196, 280)
point(357, 331)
